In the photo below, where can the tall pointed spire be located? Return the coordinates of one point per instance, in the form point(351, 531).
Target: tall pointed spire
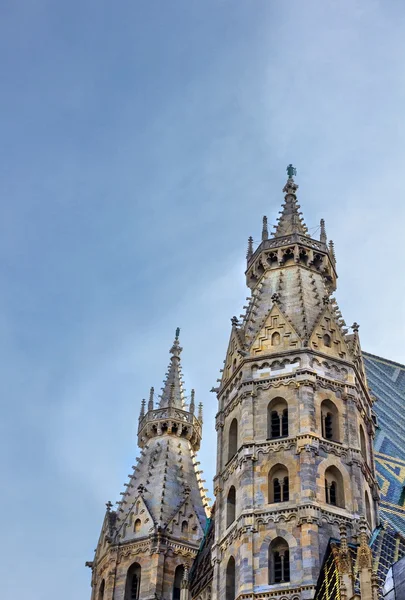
point(172, 391)
point(290, 220)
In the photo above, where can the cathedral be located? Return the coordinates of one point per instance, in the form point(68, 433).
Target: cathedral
point(302, 507)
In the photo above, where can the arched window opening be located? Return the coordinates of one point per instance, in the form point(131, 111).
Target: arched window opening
point(277, 419)
point(230, 579)
point(233, 439)
point(234, 365)
point(368, 511)
point(330, 421)
point(275, 339)
point(133, 583)
point(279, 561)
point(178, 578)
point(101, 591)
point(137, 525)
point(184, 527)
point(327, 340)
point(334, 489)
point(363, 445)
point(278, 484)
point(231, 506)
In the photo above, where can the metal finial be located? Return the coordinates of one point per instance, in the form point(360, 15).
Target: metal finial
point(177, 333)
point(291, 171)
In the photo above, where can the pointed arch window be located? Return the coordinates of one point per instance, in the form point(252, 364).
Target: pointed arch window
point(233, 439)
point(275, 339)
point(368, 511)
point(327, 340)
point(279, 561)
point(277, 419)
point(330, 421)
point(334, 488)
point(133, 583)
point(137, 525)
point(101, 590)
point(178, 578)
point(231, 506)
point(363, 444)
point(278, 484)
point(230, 579)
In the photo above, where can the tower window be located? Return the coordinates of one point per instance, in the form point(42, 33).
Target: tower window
point(368, 510)
point(334, 489)
point(233, 439)
point(101, 591)
point(230, 579)
point(278, 484)
point(330, 421)
point(277, 419)
point(279, 561)
point(363, 445)
point(178, 578)
point(133, 582)
point(231, 506)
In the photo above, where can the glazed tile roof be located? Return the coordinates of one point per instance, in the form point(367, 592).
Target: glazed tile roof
point(386, 380)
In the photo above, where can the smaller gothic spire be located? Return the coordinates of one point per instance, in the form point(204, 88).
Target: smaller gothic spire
point(332, 252)
point(323, 238)
point(151, 394)
point(142, 413)
point(200, 412)
point(265, 231)
point(249, 252)
point(192, 404)
point(172, 392)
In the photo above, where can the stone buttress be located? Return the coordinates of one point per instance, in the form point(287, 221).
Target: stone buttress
point(148, 544)
point(295, 462)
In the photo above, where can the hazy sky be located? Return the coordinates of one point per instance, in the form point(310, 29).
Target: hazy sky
point(141, 143)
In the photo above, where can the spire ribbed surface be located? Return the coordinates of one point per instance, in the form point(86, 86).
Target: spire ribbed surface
point(173, 392)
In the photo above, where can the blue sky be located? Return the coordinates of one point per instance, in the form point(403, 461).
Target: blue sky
point(141, 143)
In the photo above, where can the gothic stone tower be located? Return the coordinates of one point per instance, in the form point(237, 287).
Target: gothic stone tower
point(147, 546)
point(295, 455)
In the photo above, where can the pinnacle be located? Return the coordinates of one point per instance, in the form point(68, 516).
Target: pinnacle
point(172, 391)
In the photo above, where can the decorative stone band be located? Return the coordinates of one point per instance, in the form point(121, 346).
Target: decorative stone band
point(172, 421)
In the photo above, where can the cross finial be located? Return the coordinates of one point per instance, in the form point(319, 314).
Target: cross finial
point(177, 333)
point(291, 171)
point(109, 506)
